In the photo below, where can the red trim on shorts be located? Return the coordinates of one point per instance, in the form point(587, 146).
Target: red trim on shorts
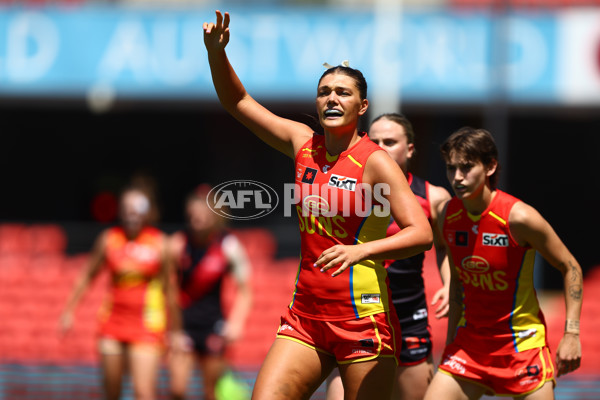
point(515, 374)
point(356, 340)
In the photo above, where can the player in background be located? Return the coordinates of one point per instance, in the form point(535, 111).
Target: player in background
point(204, 254)
point(340, 314)
point(141, 301)
point(497, 341)
point(394, 133)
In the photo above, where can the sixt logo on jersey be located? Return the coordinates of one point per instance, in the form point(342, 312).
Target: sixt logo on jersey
point(495, 239)
point(342, 182)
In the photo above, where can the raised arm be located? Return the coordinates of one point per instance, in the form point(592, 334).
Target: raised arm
point(530, 228)
point(282, 134)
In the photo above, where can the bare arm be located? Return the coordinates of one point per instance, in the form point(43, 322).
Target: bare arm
point(438, 197)
point(282, 134)
point(169, 281)
point(455, 303)
point(242, 304)
point(528, 227)
point(415, 235)
point(90, 271)
point(455, 290)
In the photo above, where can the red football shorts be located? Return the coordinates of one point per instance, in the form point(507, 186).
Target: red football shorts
point(356, 340)
point(505, 374)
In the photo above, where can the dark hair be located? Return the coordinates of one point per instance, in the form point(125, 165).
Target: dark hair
point(400, 120)
point(472, 145)
point(359, 79)
point(201, 193)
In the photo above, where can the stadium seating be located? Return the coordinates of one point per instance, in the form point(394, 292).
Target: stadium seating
point(36, 276)
point(35, 280)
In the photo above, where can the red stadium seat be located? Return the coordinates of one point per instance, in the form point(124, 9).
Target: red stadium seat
point(259, 243)
point(49, 238)
point(14, 238)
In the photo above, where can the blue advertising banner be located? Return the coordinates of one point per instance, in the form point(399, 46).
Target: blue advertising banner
point(159, 53)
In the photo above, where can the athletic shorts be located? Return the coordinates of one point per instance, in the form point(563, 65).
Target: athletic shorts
point(108, 346)
point(206, 340)
point(356, 340)
point(503, 375)
point(415, 349)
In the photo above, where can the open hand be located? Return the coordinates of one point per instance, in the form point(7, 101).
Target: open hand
point(442, 298)
point(216, 36)
point(343, 255)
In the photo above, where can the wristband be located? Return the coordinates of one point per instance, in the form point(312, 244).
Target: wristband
point(572, 326)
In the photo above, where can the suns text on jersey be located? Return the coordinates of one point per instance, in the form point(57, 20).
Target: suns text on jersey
point(322, 225)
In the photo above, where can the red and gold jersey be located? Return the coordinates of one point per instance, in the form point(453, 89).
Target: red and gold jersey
point(501, 313)
point(333, 209)
point(135, 310)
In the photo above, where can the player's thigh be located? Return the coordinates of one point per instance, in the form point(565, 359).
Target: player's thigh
point(212, 367)
point(369, 380)
point(546, 392)
point(144, 365)
point(291, 370)
point(412, 381)
point(335, 388)
point(113, 366)
point(448, 388)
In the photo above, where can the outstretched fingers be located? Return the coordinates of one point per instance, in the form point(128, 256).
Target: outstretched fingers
point(216, 34)
point(226, 21)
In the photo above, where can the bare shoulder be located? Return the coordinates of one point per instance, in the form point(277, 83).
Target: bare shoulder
point(301, 135)
point(101, 239)
point(380, 168)
point(438, 197)
point(522, 215)
point(526, 223)
point(175, 242)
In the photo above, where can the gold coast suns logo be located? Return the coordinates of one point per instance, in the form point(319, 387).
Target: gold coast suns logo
point(313, 218)
point(475, 271)
point(315, 204)
point(475, 264)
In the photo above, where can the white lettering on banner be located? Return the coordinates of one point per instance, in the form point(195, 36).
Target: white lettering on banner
point(306, 49)
point(265, 48)
point(173, 65)
point(434, 56)
point(452, 52)
point(32, 47)
point(165, 55)
point(528, 55)
point(127, 51)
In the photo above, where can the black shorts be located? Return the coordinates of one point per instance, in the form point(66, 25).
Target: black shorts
point(207, 339)
point(415, 350)
point(416, 339)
